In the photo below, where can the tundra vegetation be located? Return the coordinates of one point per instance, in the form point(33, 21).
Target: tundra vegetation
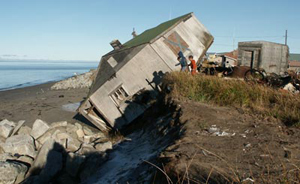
point(254, 98)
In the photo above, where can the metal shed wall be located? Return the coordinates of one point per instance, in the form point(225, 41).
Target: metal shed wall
point(272, 57)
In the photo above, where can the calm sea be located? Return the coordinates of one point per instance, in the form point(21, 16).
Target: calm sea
point(19, 74)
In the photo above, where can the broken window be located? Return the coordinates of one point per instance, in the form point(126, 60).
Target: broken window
point(119, 95)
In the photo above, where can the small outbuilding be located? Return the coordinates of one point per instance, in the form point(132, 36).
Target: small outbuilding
point(128, 77)
point(272, 57)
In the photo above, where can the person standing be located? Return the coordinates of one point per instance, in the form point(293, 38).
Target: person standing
point(193, 65)
point(182, 61)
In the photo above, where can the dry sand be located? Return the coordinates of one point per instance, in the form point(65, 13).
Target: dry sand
point(39, 101)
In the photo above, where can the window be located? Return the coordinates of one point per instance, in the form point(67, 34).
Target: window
point(119, 95)
point(112, 62)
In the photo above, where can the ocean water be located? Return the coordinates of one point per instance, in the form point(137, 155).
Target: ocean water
point(19, 74)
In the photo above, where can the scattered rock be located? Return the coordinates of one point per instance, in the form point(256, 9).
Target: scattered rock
point(52, 142)
point(6, 128)
point(2, 141)
point(59, 124)
point(71, 130)
point(103, 146)
point(44, 137)
point(60, 138)
point(19, 125)
point(39, 128)
point(87, 139)
point(10, 123)
point(79, 81)
point(52, 166)
point(86, 149)
point(9, 157)
point(12, 172)
point(87, 131)
point(48, 170)
point(20, 144)
point(5, 156)
point(73, 144)
point(24, 130)
point(62, 135)
point(37, 144)
point(25, 159)
point(73, 163)
point(42, 156)
point(78, 125)
point(80, 133)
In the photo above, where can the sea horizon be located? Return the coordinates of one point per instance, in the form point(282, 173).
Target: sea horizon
point(16, 74)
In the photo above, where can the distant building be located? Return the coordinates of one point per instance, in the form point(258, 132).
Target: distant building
point(294, 62)
point(131, 69)
point(272, 57)
point(294, 65)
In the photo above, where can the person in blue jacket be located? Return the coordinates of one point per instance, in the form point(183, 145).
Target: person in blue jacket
point(182, 61)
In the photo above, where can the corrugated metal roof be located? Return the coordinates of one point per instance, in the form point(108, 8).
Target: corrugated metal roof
point(294, 57)
point(150, 34)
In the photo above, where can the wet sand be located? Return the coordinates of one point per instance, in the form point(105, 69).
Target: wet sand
point(39, 102)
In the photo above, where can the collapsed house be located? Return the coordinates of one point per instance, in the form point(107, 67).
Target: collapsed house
point(272, 57)
point(130, 74)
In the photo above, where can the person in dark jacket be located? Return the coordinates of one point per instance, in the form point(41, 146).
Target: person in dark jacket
point(182, 62)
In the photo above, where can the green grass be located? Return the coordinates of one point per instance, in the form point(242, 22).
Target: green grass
point(254, 98)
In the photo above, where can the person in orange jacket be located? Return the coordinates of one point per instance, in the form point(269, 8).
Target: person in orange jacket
point(193, 65)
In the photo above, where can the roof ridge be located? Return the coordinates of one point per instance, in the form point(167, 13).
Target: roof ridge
point(152, 33)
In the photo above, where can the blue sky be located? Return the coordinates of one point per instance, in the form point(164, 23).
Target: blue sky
point(82, 30)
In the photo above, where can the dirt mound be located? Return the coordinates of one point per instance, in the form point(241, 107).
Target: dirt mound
point(224, 145)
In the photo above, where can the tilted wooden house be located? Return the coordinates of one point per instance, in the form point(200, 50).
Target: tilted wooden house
point(127, 74)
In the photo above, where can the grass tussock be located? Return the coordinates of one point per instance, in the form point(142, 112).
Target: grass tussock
point(255, 98)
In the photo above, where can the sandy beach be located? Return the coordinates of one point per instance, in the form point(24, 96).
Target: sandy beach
point(39, 102)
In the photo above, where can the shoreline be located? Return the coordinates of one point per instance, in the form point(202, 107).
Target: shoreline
point(39, 102)
point(3, 90)
point(30, 84)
